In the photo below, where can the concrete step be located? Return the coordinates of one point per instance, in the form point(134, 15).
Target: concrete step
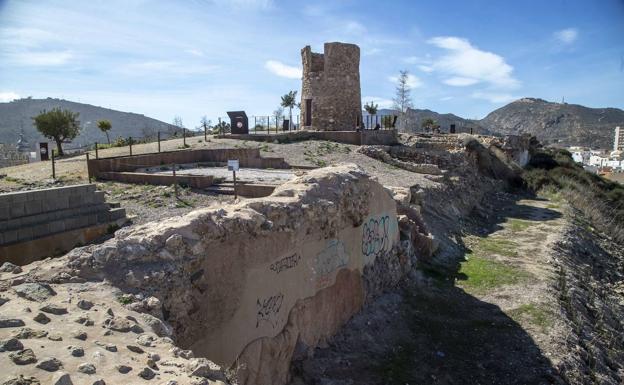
point(221, 189)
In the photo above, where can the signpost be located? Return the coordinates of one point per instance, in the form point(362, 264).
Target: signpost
point(233, 166)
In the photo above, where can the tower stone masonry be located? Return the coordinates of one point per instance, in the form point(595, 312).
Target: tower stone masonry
point(331, 98)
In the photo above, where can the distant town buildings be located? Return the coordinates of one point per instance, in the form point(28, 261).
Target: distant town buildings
point(618, 144)
point(602, 161)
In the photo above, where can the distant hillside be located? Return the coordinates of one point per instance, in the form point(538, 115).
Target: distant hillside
point(561, 123)
point(17, 114)
point(417, 116)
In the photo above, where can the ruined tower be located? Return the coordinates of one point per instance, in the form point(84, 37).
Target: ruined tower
point(331, 99)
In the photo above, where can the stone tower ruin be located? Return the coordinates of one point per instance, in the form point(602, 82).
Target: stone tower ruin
point(331, 99)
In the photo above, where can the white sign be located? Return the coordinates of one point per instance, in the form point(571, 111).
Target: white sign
point(233, 165)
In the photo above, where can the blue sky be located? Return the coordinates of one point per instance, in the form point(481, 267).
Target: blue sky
point(194, 58)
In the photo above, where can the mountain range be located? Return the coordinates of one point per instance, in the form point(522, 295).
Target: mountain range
point(558, 124)
point(17, 115)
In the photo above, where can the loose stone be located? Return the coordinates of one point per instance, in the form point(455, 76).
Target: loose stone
point(23, 357)
point(10, 345)
point(86, 368)
point(49, 364)
point(53, 309)
point(123, 369)
point(10, 322)
point(84, 304)
point(147, 373)
point(41, 318)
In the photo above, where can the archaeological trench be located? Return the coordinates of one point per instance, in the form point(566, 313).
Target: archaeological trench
point(231, 295)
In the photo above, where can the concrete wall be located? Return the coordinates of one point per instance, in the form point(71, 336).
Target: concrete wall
point(364, 137)
point(26, 216)
point(332, 81)
point(248, 157)
point(195, 181)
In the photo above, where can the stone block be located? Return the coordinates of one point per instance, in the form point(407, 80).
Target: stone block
point(76, 201)
point(99, 197)
point(10, 236)
point(5, 212)
point(56, 227)
point(41, 230)
point(17, 210)
point(117, 214)
point(25, 234)
point(32, 207)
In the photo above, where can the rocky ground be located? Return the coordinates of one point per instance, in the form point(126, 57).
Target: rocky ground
point(78, 332)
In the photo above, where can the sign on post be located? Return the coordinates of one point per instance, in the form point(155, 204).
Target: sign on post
point(233, 166)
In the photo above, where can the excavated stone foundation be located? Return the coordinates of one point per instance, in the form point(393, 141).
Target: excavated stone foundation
point(249, 285)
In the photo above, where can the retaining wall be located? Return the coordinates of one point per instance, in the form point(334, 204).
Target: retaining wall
point(27, 216)
point(248, 157)
point(195, 181)
point(363, 137)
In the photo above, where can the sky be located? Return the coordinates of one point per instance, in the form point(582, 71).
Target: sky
point(205, 57)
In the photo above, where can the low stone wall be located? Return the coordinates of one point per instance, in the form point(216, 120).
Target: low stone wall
point(248, 157)
point(195, 181)
point(26, 216)
point(243, 285)
point(253, 190)
point(364, 137)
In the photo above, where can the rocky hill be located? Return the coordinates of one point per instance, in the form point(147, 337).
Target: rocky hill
point(417, 116)
point(18, 114)
point(560, 123)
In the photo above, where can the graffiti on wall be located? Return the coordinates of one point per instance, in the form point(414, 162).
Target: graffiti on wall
point(332, 258)
point(285, 263)
point(267, 309)
point(376, 235)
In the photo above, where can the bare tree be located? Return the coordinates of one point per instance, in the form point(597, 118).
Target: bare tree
point(403, 99)
point(177, 121)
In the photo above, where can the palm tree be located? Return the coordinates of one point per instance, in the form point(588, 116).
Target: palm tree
point(105, 126)
point(289, 101)
point(371, 108)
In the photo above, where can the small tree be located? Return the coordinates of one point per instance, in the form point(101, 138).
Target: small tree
point(205, 123)
point(289, 101)
point(58, 125)
point(429, 124)
point(105, 126)
point(278, 114)
point(403, 99)
point(371, 108)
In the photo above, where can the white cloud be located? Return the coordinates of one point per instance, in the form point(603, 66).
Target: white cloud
point(465, 61)
point(567, 36)
point(283, 70)
point(42, 58)
point(195, 52)
point(161, 67)
point(8, 96)
point(412, 81)
point(458, 81)
point(494, 97)
point(445, 98)
point(353, 28)
point(381, 102)
point(425, 68)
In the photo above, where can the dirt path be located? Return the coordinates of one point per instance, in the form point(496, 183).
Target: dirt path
point(496, 321)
